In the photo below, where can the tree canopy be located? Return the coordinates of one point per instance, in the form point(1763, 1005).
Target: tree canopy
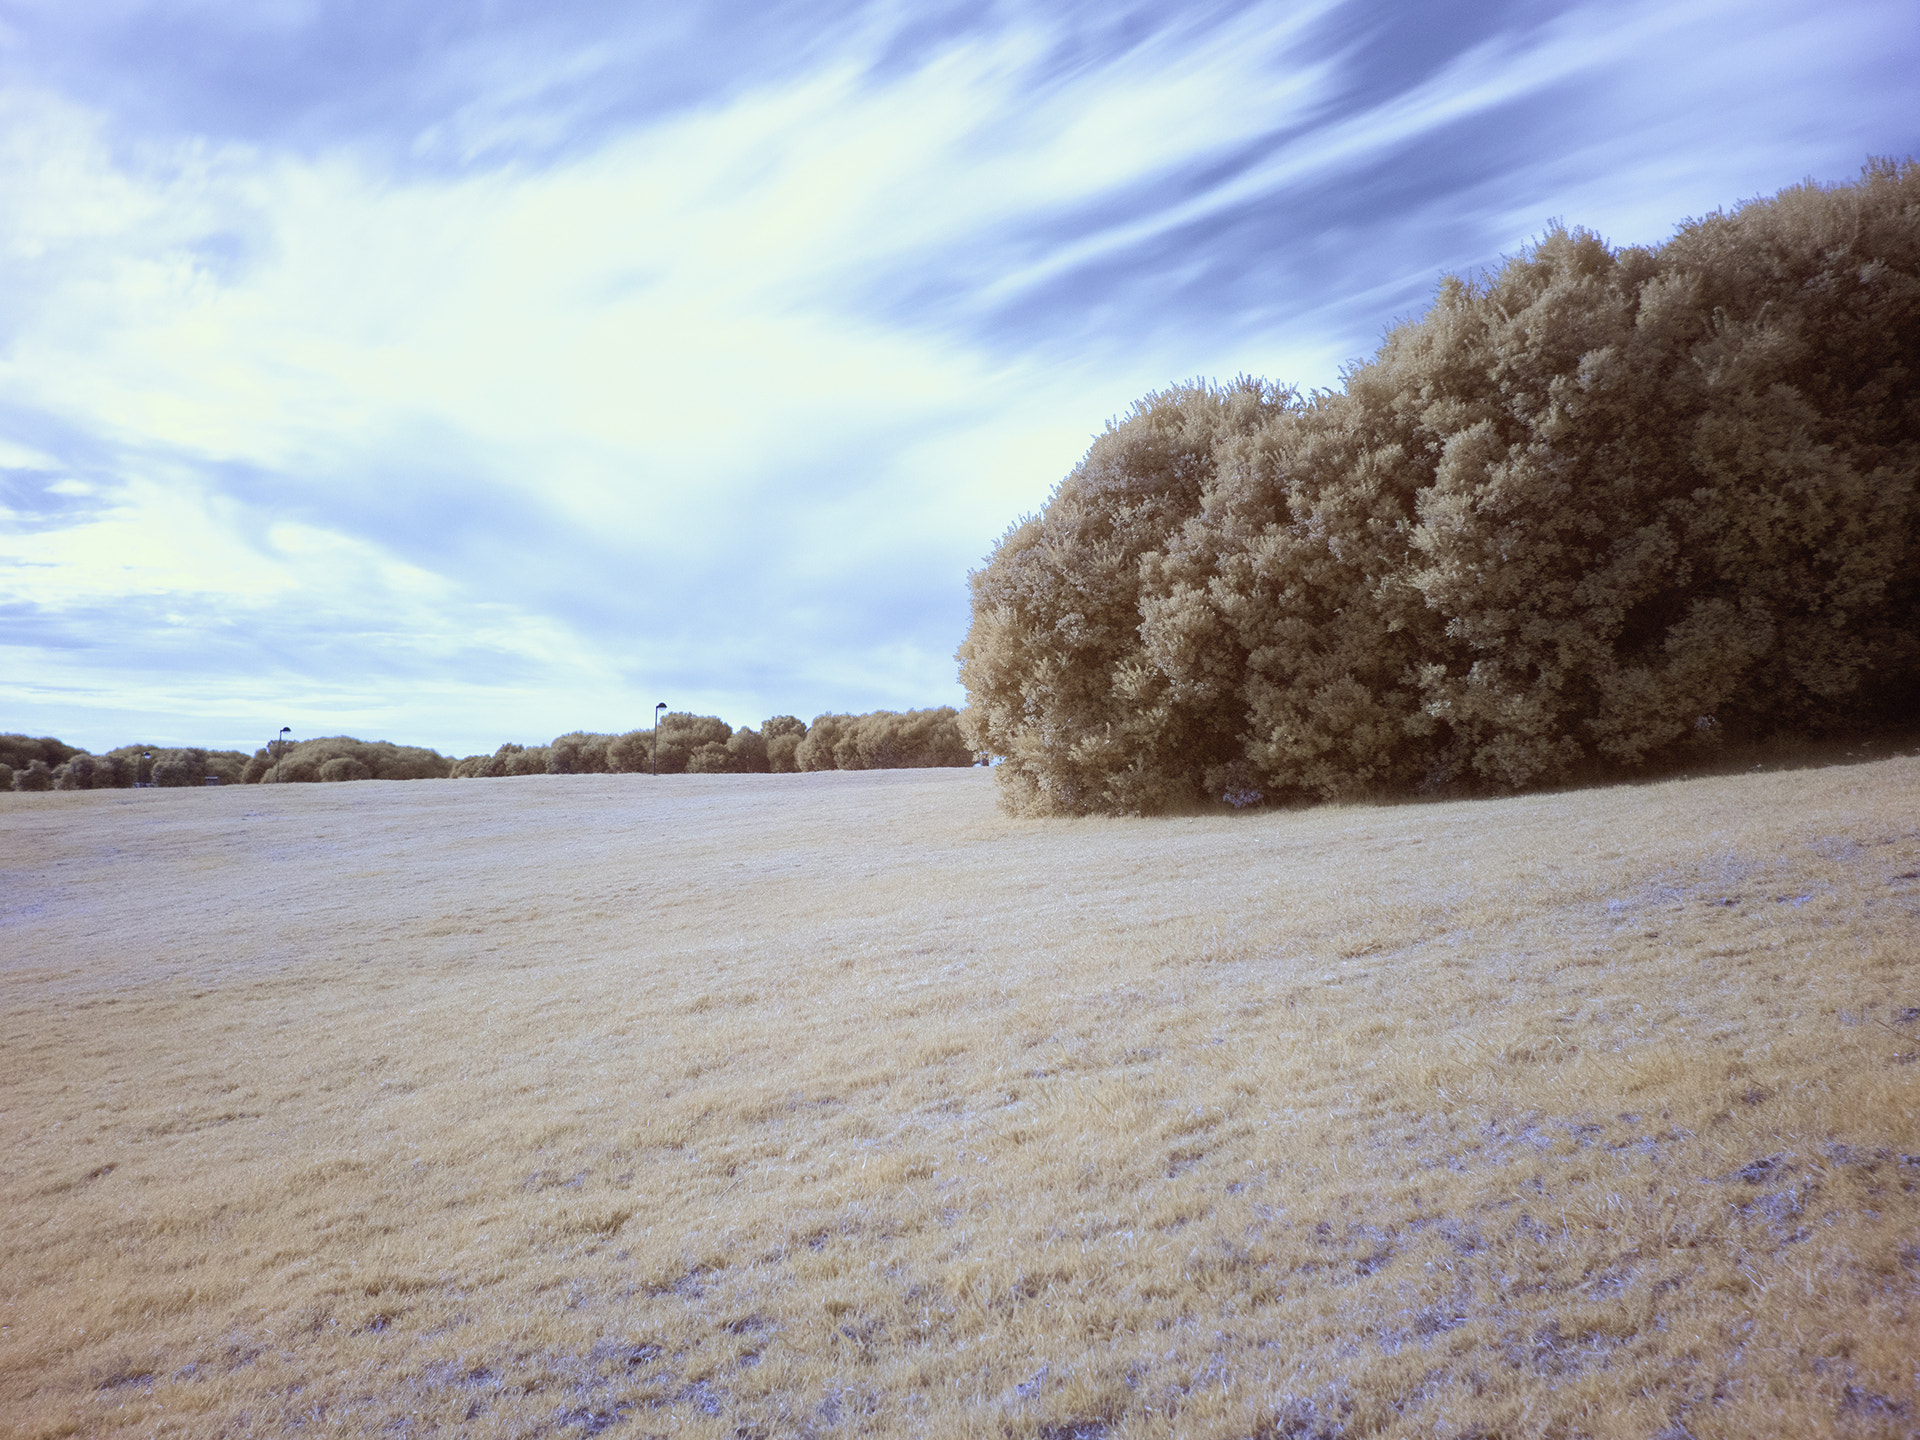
point(1584, 514)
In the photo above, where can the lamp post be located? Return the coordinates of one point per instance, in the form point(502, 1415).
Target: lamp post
point(656, 738)
point(147, 784)
point(280, 750)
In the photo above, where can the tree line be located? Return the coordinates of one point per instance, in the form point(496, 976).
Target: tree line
point(49, 764)
point(707, 745)
point(1591, 513)
point(688, 744)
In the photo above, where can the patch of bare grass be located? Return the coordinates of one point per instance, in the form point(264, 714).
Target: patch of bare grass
point(840, 1104)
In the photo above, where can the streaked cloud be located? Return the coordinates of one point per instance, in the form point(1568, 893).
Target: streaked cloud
point(455, 375)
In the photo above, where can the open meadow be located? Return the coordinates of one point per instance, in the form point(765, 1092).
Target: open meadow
point(840, 1103)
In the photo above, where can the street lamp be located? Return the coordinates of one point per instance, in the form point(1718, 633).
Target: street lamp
point(147, 784)
point(280, 750)
point(656, 738)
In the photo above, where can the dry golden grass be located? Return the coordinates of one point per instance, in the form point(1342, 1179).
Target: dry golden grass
point(837, 1103)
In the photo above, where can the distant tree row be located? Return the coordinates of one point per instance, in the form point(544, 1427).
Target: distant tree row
point(707, 745)
point(1595, 511)
point(689, 744)
point(49, 764)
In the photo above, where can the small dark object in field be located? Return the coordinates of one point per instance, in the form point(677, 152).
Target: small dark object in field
point(1760, 1171)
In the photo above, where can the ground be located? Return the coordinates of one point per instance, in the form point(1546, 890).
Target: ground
point(840, 1104)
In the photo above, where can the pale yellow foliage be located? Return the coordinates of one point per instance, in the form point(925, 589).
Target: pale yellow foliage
point(840, 1103)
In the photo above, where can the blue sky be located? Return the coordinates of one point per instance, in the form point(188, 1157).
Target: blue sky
point(454, 373)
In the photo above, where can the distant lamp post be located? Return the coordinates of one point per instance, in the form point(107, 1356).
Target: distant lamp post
point(280, 750)
point(147, 784)
point(656, 738)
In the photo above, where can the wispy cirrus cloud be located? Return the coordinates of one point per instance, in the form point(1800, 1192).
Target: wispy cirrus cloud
point(472, 374)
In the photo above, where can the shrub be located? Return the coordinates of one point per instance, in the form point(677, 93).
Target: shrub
point(76, 774)
point(126, 763)
point(631, 753)
point(709, 759)
point(884, 740)
point(6, 776)
point(1586, 516)
point(783, 734)
point(580, 754)
point(528, 760)
point(747, 752)
point(509, 759)
point(1053, 665)
point(783, 754)
point(345, 767)
point(304, 762)
point(38, 775)
point(179, 768)
point(18, 752)
point(681, 735)
point(816, 751)
point(112, 771)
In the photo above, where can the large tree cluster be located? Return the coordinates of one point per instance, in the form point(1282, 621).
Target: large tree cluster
point(1599, 508)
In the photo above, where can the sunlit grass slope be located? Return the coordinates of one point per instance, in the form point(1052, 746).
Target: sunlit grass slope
point(838, 1103)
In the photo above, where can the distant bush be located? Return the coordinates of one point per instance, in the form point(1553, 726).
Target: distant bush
point(884, 740)
point(192, 766)
point(709, 759)
point(125, 765)
point(783, 734)
point(1603, 509)
point(681, 735)
point(37, 775)
point(112, 771)
point(747, 752)
point(98, 770)
point(476, 767)
point(631, 753)
point(175, 772)
point(6, 776)
point(580, 754)
point(307, 762)
point(77, 774)
point(509, 759)
point(18, 752)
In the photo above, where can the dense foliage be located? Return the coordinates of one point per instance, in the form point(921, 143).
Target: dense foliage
point(707, 745)
point(884, 740)
point(341, 757)
point(49, 764)
point(18, 752)
point(1600, 509)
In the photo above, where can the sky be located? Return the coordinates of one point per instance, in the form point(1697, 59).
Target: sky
point(455, 373)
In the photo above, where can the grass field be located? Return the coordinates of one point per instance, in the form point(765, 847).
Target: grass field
point(840, 1104)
